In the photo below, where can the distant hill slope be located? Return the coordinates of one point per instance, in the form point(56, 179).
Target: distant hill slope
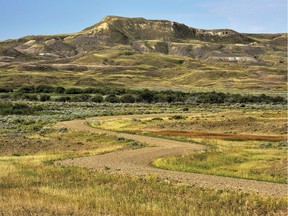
point(136, 52)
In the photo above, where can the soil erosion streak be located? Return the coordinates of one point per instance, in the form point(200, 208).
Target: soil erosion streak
point(138, 162)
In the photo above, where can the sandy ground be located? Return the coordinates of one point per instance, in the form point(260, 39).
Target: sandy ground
point(137, 162)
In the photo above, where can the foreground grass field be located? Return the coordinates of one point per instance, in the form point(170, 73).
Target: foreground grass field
point(33, 185)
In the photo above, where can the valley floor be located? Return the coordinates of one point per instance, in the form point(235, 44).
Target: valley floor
point(137, 162)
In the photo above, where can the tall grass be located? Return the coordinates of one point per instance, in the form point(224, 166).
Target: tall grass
point(38, 189)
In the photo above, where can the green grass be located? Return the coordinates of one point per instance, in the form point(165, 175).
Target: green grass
point(236, 159)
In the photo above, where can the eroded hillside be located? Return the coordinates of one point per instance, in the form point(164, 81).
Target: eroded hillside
point(140, 53)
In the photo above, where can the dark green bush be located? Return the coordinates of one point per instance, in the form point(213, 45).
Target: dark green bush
point(5, 90)
point(59, 90)
point(73, 91)
point(44, 89)
point(81, 98)
point(17, 109)
point(112, 99)
point(27, 89)
point(45, 98)
point(127, 98)
point(97, 99)
point(147, 95)
point(63, 99)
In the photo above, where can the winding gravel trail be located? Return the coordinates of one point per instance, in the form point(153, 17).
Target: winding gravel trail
point(137, 162)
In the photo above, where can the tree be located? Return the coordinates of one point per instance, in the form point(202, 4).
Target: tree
point(97, 99)
point(127, 98)
point(147, 95)
point(112, 99)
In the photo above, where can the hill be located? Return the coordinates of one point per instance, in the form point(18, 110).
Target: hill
point(140, 53)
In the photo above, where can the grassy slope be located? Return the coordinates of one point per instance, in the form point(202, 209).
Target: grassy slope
point(161, 71)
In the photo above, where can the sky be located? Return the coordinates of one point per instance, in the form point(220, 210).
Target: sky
point(38, 17)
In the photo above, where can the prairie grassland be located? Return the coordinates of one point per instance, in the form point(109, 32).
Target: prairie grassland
point(33, 185)
point(35, 188)
point(244, 143)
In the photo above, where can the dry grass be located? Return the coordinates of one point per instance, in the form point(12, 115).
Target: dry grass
point(31, 184)
point(33, 188)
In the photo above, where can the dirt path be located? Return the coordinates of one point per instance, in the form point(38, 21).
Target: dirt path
point(137, 162)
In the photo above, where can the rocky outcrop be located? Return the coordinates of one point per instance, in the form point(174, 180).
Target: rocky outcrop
point(132, 29)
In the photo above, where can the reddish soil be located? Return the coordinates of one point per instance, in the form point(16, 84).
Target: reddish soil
point(212, 135)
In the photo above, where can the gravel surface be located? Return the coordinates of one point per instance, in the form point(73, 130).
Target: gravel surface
point(137, 162)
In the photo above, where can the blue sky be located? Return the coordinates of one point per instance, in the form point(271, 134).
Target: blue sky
point(35, 17)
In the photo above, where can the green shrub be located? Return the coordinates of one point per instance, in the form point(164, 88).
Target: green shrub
point(59, 90)
point(112, 99)
point(5, 90)
point(73, 91)
point(27, 89)
point(44, 89)
point(45, 98)
point(81, 98)
point(17, 109)
point(63, 99)
point(97, 99)
point(147, 95)
point(127, 98)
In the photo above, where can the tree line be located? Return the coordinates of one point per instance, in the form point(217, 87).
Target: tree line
point(124, 95)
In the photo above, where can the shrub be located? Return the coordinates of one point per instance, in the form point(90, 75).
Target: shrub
point(177, 117)
point(59, 90)
point(73, 91)
point(30, 97)
point(157, 119)
point(17, 109)
point(97, 99)
point(63, 99)
point(112, 99)
point(81, 98)
point(127, 98)
point(5, 96)
point(27, 89)
point(45, 98)
point(44, 89)
point(147, 95)
point(90, 90)
point(5, 90)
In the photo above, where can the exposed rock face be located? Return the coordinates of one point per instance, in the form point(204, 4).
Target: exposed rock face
point(125, 29)
point(234, 59)
point(52, 48)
